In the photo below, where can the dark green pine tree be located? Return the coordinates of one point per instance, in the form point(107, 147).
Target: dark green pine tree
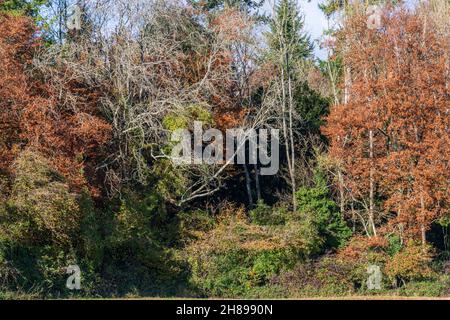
point(329, 7)
point(315, 203)
point(287, 37)
point(287, 32)
point(23, 7)
point(212, 5)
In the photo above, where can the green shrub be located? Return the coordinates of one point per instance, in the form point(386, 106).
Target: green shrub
point(395, 245)
point(269, 263)
point(192, 224)
point(264, 215)
point(328, 276)
point(315, 204)
point(51, 264)
point(413, 263)
point(433, 288)
point(237, 258)
point(139, 253)
point(41, 205)
point(236, 273)
point(39, 228)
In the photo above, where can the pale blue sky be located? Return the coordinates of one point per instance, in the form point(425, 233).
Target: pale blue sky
point(315, 22)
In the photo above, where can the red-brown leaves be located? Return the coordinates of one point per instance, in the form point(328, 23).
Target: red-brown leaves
point(15, 52)
point(30, 113)
point(399, 91)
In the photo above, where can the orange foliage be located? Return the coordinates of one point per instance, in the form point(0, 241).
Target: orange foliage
point(31, 115)
point(412, 263)
point(359, 246)
point(15, 51)
point(399, 92)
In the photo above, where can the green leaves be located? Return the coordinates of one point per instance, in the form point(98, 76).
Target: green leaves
point(41, 204)
point(212, 5)
point(185, 118)
point(315, 204)
point(23, 7)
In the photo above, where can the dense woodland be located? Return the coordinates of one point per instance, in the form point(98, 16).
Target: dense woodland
point(86, 115)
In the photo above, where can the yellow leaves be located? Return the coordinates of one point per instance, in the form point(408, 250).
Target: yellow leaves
point(43, 204)
point(412, 263)
point(235, 232)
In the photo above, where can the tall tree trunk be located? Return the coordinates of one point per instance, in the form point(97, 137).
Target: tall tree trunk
point(347, 81)
point(248, 186)
point(286, 134)
point(422, 200)
point(341, 191)
point(353, 217)
point(347, 84)
point(258, 186)
point(372, 186)
point(424, 235)
point(291, 136)
point(422, 225)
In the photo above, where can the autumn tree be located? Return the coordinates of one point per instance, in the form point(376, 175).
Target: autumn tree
point(33, 115)
point(392, 135)
point(15, 52)
point(148, 72)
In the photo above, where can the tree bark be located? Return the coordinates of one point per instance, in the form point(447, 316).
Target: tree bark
point(258, 186)
point(372, 186)
point(291, 136)
point(422, 226)
point(248, 186)
point(341, 191)
point(287, 136)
